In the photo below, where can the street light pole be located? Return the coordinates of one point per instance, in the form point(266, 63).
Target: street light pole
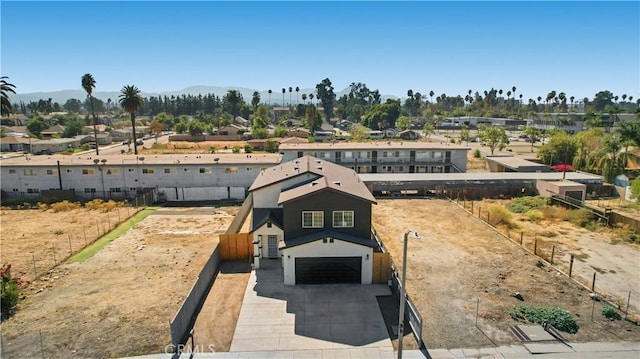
point(403, 292)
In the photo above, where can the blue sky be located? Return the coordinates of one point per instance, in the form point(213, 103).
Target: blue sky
point(448, 47)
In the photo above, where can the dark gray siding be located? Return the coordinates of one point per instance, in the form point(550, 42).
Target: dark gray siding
point(327, 201)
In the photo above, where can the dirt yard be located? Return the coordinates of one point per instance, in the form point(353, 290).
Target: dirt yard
point(120, 301)
point(459, 260)
point(194, 147)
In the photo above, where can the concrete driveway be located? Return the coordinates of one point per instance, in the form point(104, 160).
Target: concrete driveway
point(335, 316)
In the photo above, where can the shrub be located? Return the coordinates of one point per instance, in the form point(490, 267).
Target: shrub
point(10, 290)
point(499, 215)
point(235, 149)
point(248, 148)
point(610, 312)
point(476, 153)
point(525, 204)
point(94, 204)
point(65, 206)
point(559, 318)
point(43, 206)
point(534, 215)
point(584, 218)
point(213, 149)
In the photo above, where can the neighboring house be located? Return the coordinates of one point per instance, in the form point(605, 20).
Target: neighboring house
point(514, 164)
point(242, 121)
point(299, 132)
point(13, 144)
point(16, 131)
point(314, 216)
point(53, 145)
point(231, 130)
point(104, 138)
point(51, 132)
point(409, 135)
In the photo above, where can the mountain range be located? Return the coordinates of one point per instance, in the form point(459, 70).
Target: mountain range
point(276, 97)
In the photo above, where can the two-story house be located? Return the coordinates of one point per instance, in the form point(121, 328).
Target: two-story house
point(314, 216)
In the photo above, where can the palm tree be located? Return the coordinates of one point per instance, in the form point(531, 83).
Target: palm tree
point(290, 91)
point(431, 93)
point(270, 92)
point(88, 84)
point(284, 90)
point(130, 101)
point(297, 93)
point(304, 97)
point(5, 88)
point(311, 98)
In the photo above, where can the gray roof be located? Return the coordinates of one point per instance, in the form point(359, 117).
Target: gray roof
point(264, 215)
point(326, 175)
point(515, 162)
point(312, 237)
point(160, 159)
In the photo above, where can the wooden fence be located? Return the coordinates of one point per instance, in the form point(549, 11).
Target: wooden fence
point(236, 246)
point(381, 268)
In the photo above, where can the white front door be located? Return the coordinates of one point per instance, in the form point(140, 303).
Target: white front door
point(272, 242)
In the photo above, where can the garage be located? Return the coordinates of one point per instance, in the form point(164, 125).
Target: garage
point(325, 270)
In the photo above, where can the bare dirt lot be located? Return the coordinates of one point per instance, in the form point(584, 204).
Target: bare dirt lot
point(194, 147)
point(120, 301)
point(459, 260)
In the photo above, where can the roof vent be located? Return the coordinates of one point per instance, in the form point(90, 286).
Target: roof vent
point(314, 183)
point(320, 168)
point(296, 168)
point(337, 183)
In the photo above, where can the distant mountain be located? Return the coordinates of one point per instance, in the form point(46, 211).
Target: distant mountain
point(276, 97)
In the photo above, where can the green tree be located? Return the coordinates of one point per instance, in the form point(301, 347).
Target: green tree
point(88, 84)
point(280, 131)
point(36, 125)
point(494, 137)
point(629, 134)
point(73, 105)
point(561, 148)
point(327, 97)
point(6, 88)
point(255, 100)
point(464, 134)
point(130, 101)
point(312, 119)
point(233, 99)
point(167, 120)
point(73, 126)
point(635, 189)
point(271, 146)
point(196, 128)
point(533, 134)
point(403, 123)
point(428, 130)
point(260, 117)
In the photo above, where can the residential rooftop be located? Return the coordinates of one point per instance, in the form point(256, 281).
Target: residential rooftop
point(128, 159)
point(376, 145)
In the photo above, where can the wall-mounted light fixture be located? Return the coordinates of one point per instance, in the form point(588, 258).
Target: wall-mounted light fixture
point(367, 256)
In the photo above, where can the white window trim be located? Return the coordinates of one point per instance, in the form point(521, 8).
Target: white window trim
point(313, 219)
point(333, 217)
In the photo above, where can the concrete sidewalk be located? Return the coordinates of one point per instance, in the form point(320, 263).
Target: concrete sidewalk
point(593, 350)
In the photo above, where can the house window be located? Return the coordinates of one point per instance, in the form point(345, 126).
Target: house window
point(231, 170)
point(205, 169)
point(437, 169)
point(88, 171)
point(16, 190)
point(400, 169)
point(112, 171)
point(342, 219)
point(115, 189)
point(33, 190)
point(312, 219)
point(169, 170)
point(12, 171)
point(29, 172)
point(51, 172)
point(396, 154)
point(269, 225)
point(148, 171)
point(89, 190)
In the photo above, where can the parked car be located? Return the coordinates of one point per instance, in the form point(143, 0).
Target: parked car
point(126, 142)
point(146, 137)
point(139, 142)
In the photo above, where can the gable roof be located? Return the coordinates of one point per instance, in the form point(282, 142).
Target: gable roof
point(263, 215)
point(327, 175)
